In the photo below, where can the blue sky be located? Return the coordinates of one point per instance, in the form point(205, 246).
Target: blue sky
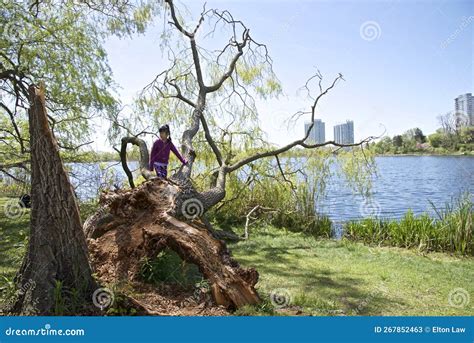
point(405, 75)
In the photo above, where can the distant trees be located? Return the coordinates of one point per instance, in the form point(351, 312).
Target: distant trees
point(436, 139)
point(449, 138)
point(454, 135)
point(419, 136)
point(397, 141)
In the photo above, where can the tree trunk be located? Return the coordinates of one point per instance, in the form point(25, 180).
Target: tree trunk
point(139, 223)
point(57, 250)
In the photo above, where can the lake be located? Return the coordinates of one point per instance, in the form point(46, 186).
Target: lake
point(402, 183)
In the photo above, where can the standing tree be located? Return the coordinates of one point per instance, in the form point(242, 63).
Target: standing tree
point(243, 64)
point(397, 141)
point(61, 44)
point(57, 250)
point(451, 124)
point(419, 136)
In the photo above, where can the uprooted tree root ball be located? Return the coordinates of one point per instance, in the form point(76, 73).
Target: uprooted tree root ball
point(136, 224)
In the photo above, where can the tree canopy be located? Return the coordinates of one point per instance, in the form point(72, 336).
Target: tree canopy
point(60, 43)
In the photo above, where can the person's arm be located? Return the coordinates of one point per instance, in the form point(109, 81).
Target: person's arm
point(178, 155)
point(153, 155)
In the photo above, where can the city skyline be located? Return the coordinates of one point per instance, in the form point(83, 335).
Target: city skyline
point(343, 133)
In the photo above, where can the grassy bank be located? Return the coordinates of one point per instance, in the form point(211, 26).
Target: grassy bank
point(327, 277)
point(452, 231)
point(14, 231)
point(319, 276)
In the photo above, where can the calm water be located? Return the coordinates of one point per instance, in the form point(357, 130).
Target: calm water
point(402, 183)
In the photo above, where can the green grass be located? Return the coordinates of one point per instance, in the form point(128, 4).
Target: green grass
point(322, 277)
point(168, 267)
point(14, 229)
point(328, 277)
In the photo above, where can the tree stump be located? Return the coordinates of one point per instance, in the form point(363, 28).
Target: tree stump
point(138, 223)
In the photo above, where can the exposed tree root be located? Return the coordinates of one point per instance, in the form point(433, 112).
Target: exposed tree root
point(136, 224)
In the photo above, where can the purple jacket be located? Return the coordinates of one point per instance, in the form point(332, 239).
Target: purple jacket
point(160, 152)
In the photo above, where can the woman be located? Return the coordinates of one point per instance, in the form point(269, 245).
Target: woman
point(160, 153)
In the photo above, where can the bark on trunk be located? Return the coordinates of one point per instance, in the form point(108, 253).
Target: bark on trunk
point(57, 249)
point(138, 223)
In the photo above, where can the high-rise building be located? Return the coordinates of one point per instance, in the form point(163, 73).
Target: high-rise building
point(318, 131)
point(463, 106)
point(344, 133)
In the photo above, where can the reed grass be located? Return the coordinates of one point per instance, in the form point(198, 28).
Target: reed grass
point(450, 231)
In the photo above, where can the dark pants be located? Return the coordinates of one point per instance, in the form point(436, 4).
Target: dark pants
point(161, 169)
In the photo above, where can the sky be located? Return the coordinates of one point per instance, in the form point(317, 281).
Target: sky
point(403, 62)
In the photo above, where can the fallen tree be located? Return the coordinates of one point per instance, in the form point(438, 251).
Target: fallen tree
point(138, 224)
point(155, 215)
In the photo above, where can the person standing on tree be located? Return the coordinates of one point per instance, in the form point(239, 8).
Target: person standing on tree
point(160, 153)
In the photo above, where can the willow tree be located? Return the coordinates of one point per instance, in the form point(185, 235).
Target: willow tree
point(210, 92)
point(60, 44)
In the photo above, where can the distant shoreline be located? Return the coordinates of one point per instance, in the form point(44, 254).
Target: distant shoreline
point(427, 154)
